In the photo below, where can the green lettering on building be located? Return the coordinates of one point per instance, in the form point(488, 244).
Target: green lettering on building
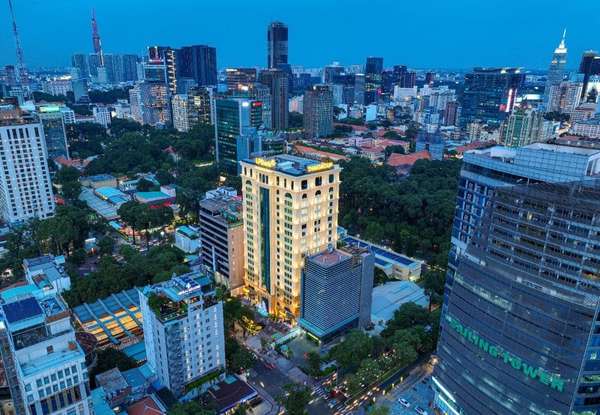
point(554, 381)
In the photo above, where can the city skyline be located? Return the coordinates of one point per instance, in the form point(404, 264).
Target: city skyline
point(309, 26)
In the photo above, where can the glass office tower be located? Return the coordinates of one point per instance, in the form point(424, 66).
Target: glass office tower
point(520, 331)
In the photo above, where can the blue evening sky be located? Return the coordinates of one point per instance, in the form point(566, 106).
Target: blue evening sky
point(418, 33)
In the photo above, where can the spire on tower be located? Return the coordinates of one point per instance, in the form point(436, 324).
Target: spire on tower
point(562, 46)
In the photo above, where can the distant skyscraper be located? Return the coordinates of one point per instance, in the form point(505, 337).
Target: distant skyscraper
point(80, 61)
point(590, 65)
point(25, 185)
point(490, 94)
point(557, 69)
point(179, 104)
point(523, 127)
point(277, 82)
point(305, 195)
point(277, 44)
point(183, 330)
point(201, 106)
point(234, 116)
point(198, 62)
point(318, 111)
point(373, 79)
point(340, 280)
point(239, 77)
point(165, 55)
point(96, 42)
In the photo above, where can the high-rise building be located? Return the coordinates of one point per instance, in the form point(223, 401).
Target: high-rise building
point(201, 106)
point(25, 185)
point(340, 280)
point(150, 103)
point(523, 127)
point(519, 326)
point(565, 97)
point(373, 79)
point(239, 77)
point(222, 236)
point(55, 133)
point(332, 72)
point(277, 45)
point(183, 330)
point(125, 68)
point(43, 362)
point(198, 62)
point(489, 94)
point(290, 211)
point(233, 116)
point(167, 56)
point(484, 170)
point(179, 104)
point(277, 82)
point(80, 61)
point(452, 113)
point(318, 111)
point(557, 69)
point(589, 66)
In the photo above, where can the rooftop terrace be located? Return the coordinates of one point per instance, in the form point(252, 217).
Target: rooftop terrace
point(291, 165)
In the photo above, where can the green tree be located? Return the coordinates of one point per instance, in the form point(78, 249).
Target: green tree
point(379, 410)
point(106, 245)
point(350, 352)
point(295, 400)
point(110, 358)
point(190, 408)
point(313, 361)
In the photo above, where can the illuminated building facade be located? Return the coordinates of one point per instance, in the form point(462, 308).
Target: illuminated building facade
point(290, 211)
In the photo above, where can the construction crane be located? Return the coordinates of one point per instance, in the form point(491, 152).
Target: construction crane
point(22, 79)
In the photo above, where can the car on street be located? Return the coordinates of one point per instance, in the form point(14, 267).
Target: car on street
point(420, 411)
point(404, 402)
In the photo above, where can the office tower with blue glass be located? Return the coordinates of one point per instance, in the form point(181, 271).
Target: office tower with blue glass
point(520, 298)
point(340, 280)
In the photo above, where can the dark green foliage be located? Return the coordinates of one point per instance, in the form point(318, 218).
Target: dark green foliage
point(238, 357)
point(136, 271)
point(412, 216)
point(190, 408)
point(295, 400)
point(110, 358)
point(108, 97)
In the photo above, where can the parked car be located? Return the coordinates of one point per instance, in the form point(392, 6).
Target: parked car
point(420, 411)
point(404, 402)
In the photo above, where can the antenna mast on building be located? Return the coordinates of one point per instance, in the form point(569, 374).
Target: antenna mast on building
point(22, 79)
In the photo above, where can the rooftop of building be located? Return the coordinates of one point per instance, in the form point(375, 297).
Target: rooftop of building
point(112, 380)
point(99, 177)
point(329, 257)
point(146, 406)
point(189, 231)
point(225, 202)
point(382, 254)
point(112, 319)
point(26, 306)
point(291, 165)
point(310, 151)
point(231, 392)
point(387, 298)
point(502, 152)
point(169, 299)
point(99, 402)
point(398, 160)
